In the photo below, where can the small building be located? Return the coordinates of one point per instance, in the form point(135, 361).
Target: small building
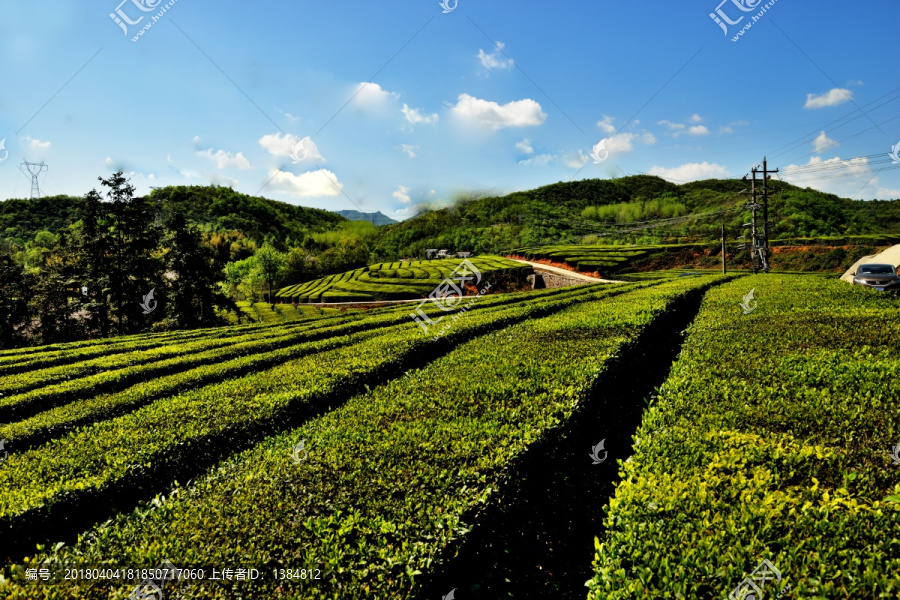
point(443, 253)
point(431, 253)
point(463, 255)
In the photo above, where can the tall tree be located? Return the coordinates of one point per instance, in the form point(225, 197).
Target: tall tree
point(53, 290)
point(93, 252)
point(136, 271)
point(15, 290)
point(270, 262)
point(193, 287)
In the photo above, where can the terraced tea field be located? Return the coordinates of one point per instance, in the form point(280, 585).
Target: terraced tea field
point(601, 259)
point(262, 312)
point(393, 281)
point(381, 462)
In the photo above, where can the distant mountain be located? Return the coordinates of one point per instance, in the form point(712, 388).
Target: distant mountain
point(376, 218)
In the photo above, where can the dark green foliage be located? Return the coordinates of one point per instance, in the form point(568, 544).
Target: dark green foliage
point(15, 289)
point(192, 287)
point(133, 237)
point(22, 219)
point(220, 209)
point(52, 290)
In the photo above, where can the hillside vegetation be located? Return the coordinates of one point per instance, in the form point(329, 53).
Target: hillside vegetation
point(597, 211)
point(589, 211)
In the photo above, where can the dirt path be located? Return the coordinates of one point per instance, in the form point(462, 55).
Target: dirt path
point(566, 272)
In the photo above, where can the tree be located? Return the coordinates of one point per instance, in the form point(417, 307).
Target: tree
point(93, 252)
point(269, 261)
point(299, 267)
point(15, 290)
point(136, 270)
point(192, 290)
point(53, 289)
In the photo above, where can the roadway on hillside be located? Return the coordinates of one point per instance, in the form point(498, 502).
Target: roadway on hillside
point(566, 272)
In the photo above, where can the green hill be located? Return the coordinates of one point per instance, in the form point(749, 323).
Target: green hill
point(629, 210)
point(212, 208)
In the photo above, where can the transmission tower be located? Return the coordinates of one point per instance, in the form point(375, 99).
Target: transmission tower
point(35, 169)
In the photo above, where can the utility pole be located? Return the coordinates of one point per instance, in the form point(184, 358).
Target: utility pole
point(753, 206)
point(723, 247)
point(759, 242)
point(766, 222)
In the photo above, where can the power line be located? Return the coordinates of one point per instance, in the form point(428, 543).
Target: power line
point(802, 139)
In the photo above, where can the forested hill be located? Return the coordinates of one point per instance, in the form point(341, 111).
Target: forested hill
point(591, 210)
point(223, 209)
point(213, 209)
point(596, 211)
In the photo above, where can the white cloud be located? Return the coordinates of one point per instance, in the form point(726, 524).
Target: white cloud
point(671, 125)
point(372, 94)
point(695, 118)
point(402, 194)
point(823, 142)
point(287, 115)
point(136, 175)
point(682, 129)
point(414, 116)
point(726, 130)
point(606, 124)
point(539, 160)
point(283, 145)
point(36, 145)
point(109, 160)
point(520, 113)
point(574, 161)
point(690, 172)
point(525, 146)
point(834, 97)
point(409, 149)
point(226, 160)
point(311, 184)
point(623, 143)
point(494, 59)
point(620, 144)
point(856, 82)
point(739, 123)
point(856, 178)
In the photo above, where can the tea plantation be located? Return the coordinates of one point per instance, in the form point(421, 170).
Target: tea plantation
point(354, 456)
point(393, 281)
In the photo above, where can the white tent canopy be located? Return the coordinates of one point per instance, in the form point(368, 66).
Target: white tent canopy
point(891, 256)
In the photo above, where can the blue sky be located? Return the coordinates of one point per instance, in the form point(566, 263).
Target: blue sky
point(274, 97)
